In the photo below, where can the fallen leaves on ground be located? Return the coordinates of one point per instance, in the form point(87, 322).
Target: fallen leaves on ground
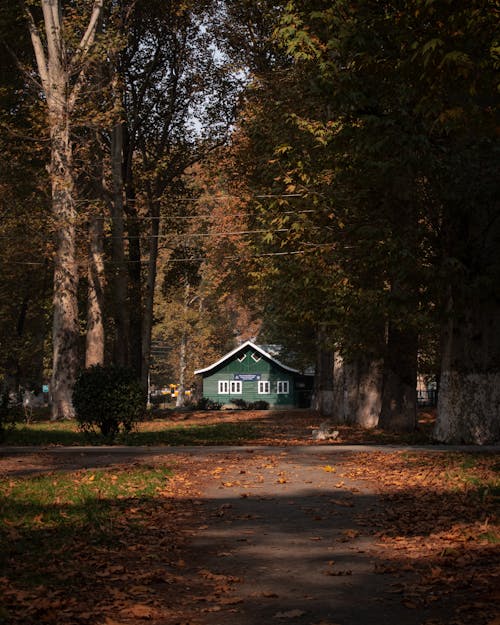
point(440, 523)
point(127, 567)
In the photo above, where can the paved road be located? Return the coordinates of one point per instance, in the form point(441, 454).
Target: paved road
point(299, 537)
point(286, 534)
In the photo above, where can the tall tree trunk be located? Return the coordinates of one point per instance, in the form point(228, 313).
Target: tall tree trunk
point(363, 391)
point(62, 79)
point(65, 301)
point(147, 319)
point(94, 353)
point(119, 270)
point(134, 258)
point(469, 391)
point(181, 394)
point(339, 415)
point(135, 288)
point(399, 397)
point(323, 400)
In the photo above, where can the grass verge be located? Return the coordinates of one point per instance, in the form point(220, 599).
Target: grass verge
point(149, 433)
point(85, 543)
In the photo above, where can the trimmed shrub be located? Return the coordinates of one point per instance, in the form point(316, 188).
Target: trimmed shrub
point(260, 404)
point(241, 403)
point(108, 399)
point(207, 404)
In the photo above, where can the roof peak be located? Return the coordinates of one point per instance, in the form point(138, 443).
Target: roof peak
point(251, 344)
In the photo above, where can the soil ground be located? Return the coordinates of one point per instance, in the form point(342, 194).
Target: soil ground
point(297, 533)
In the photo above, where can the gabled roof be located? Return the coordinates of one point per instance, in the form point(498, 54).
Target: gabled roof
point(242, 347)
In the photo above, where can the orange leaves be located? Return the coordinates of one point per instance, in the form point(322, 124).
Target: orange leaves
point(437, 521)
point(282, 478)
point(140, 611)
point(349, 534)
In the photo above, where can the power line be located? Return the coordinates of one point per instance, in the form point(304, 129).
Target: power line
point(202, 258)
point(206, 216)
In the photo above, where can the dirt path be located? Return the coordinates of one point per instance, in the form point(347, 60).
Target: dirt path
point(294, 540)
point(293, 535)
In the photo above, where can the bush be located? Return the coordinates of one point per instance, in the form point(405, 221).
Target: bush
point(207, 404)
point(241, 403)
point(110, 399)
point(259, 405)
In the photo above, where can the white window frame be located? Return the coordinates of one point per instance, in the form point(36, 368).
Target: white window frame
point(283, 387)
point(223, 387)
point(235, 387)
point(263, 387)
point(256, 356)
point(242, 358)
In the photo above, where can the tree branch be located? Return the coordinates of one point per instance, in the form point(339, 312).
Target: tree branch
point(89, 36)
point(82, 52)
point(51, 18)
point(41, 59)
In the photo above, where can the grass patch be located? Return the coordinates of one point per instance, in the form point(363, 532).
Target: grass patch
point(214, 434)
point(147, 433)
point(49, 516)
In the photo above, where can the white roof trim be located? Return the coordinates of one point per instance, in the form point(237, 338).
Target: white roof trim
point(239, 348)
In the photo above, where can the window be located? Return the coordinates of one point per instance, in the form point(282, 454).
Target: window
point(242, 357)
point(283, 387)
point(264, 387)
point(236, 387)
point(223, 387)
point(256, 357)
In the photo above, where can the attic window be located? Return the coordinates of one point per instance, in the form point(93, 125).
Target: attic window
point(256, 357)
point(242, 357)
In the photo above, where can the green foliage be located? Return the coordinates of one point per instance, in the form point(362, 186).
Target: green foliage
point(108, 398)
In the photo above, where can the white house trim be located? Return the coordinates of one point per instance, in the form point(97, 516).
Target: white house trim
point(241, 347)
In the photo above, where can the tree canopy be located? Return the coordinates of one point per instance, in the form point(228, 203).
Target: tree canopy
point(318, 175)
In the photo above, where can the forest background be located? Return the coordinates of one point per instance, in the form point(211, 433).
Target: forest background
point(322, 176)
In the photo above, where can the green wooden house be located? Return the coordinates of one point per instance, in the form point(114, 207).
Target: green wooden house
point(251, 374)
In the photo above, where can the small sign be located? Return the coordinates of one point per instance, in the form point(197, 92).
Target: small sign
point(247, 377)
point(45, 388)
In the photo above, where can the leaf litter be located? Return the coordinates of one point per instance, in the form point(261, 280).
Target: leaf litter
point(439, 522)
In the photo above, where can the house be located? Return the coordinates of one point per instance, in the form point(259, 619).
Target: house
point(252, 374)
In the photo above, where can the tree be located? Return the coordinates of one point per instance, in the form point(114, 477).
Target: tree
point(62, 71)
point(176, 101)
point(456, 51)
point(400, 104)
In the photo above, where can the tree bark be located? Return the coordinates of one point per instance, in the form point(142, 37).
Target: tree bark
point(181, 394)
point(323, 400)
point(147, 319)
point(399, 397)
point(119, 270)
point(340, 415)
point(62, 79)
point(363, 391)
point(65, 302)
point(134, 258)
point(95, 339)
point(469, 391)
